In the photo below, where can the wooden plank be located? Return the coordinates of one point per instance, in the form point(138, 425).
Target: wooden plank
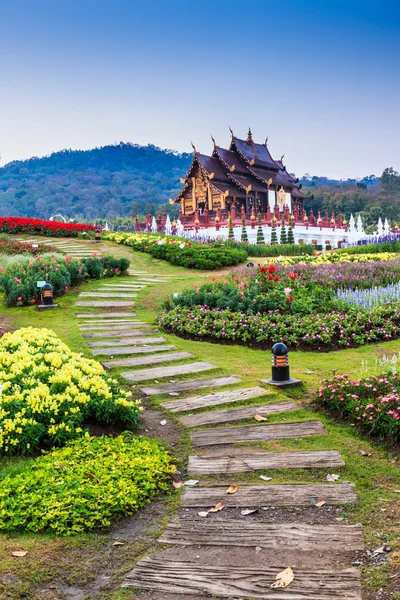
point(105, 315)
point(120, 333)
point(253, 433)
point(106, 295)
point(240, 463)
point(189, 385)
point(236, 532)
point(238, 395)
point(236, 414)
point(112, 327)
point(105, 304)
point(161, 372)
point(270, 495)
point(146, 360)
point(243, 582)
point(127, 341)
point(131, 350)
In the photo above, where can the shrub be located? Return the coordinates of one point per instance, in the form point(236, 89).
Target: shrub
point(83, 486)
point(49, 393)
point(260, 236)
point(13, 248)
point(372, 403)
point(244, 237)
point(41, 227)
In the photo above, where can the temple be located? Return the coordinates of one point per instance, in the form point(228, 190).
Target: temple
point(246, 184)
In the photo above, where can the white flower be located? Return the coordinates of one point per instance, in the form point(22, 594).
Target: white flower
point(181, 246)
point(160, 242)
point(175, 295)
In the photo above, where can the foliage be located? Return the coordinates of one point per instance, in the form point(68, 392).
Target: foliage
point(231, 235)
point(13, 248)
point(49, 392)
point(283, 239)
point(325, 331)
point(290, 236)
point(178, 251)
point(40, 227)
point(334, 257)
point(19, 279)
point(274, 237)
point(109, 182)
point(260, 234)
point(372, 403)
point(388, 245)
point(371, 297)
point(244, 237)
point(84, 486)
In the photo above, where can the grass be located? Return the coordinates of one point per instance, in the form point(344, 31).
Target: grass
point(79, 560)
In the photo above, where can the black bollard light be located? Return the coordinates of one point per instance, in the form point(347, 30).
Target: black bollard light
point(280, 368)
point(250, 264)
point(47, 297)
point(97, 235)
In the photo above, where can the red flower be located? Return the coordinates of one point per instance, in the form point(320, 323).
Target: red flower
point(271, 269)
point(270, 277)
point(276, 278)
point(290, 299)
point(263, 270)
point(292, 275)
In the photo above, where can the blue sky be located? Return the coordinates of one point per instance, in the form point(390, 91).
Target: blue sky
point(321, 79)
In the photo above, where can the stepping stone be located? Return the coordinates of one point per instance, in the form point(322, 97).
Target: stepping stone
point(243, 582)
point(189, 385)
point(119, 333)
point(249, 496)
point(151, 280)
point(128, 286)
point(131, 350)
point(253, 433)
point(105, 304)
point(106, 295)
point(290, 536)
point(104, 315)
point(236, 414)
point(147, 360)
point(252, 461)
point(127, 341)
point(120, 288)
point(160, 372)
point(238, 395)
point(113, 328)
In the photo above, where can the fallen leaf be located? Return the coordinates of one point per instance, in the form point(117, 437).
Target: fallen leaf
point(203, 513)
point(248, 511)
point(332, 477)
point(89, 475)
point(308, 372)
point(177, 484)
point(173, 394)
point(19, 553)
point(365, 453)
point(191, 482)
point(283, 579)
point(260, 418)
point(232, 489)
point(219, 506)
point(319, 504)
point(118, 544)
point(264, 478)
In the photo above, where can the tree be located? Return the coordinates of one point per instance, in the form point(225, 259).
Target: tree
point(260, 236)
point(231, 235)
point(283, 239)
point(244, 230)
point(274, 237)
point(290, 236)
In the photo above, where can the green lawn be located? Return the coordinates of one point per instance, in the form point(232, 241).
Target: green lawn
point(78, 560)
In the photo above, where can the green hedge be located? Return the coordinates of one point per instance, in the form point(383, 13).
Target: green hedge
point(276, 250)
point(83, 486)
point(392, 246)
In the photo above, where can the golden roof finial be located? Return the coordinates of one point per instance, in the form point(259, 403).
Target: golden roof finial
point(194, 148)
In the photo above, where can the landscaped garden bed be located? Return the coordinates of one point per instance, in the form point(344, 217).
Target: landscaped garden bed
point(41, 227)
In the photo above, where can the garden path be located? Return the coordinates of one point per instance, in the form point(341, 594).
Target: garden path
point(302, 532)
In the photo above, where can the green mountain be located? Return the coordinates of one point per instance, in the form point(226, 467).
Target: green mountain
point(118, 180)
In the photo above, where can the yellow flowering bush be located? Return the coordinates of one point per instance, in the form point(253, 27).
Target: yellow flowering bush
point(83, 486)
point(331, 257)
point(49, 392)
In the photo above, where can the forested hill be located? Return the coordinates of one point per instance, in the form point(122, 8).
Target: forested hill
point(126, 179)
point(118, 180)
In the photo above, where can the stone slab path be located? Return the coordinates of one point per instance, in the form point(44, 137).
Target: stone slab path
point(131, 350)
point(162, 372)
point(104, 315)
point(189, 385)
point(120, 332)
point(107, 295)
point(127, 341)
point(236, 414)
point(237, 462)
point(227, 397)
point(104, 304)
point(147, 360)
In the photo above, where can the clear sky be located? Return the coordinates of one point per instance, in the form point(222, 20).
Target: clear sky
point(320, 78)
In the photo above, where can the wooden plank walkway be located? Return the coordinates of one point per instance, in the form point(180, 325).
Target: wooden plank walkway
point(189, 385)
point(234, 462)
point(270, 495)
point(162, 372)
point(131, 350)
point(237, 395)
point(250, 433)
point(147, 360)
point(243, 582)
point(120, 333)
point(105, 304)
point(127, 341)
point(234, 532)
point(236, 414)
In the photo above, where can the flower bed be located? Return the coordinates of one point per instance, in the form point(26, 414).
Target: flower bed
point(41, 227)
point(372, 403)
point(83, 486)
point(49, 392)
point(19, 280)
point(371, 297)
point(179, 251)
point(12, 248)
